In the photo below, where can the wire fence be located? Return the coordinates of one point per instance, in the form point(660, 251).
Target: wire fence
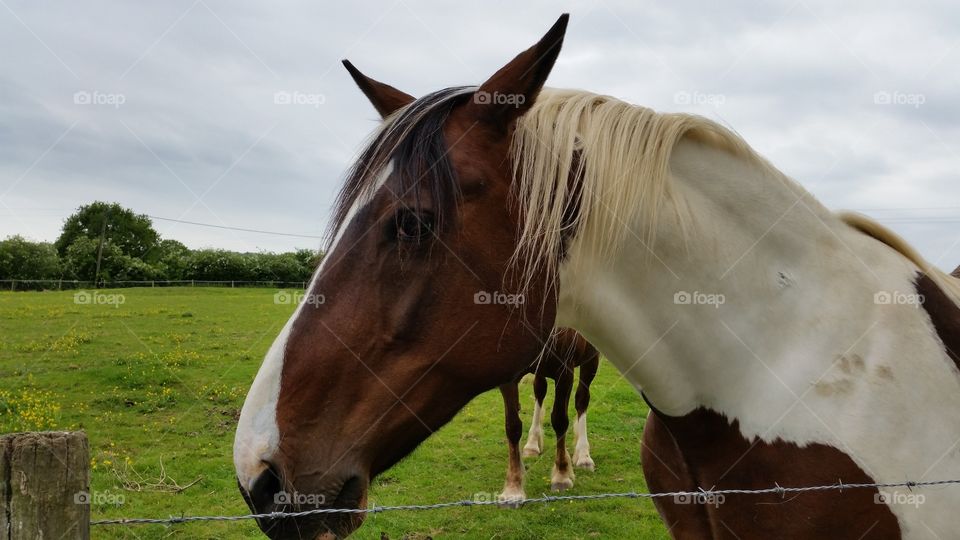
point(711, 496)
point(74, 284)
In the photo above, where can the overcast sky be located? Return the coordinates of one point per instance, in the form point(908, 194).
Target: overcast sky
point(176, 109)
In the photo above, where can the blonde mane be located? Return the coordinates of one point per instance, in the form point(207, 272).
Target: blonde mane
point(949, 284)
point(623, 166)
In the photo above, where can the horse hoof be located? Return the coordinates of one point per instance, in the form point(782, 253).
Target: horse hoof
point(561, 485)
point(584, 463)
point(529, 451)
point(511, 499)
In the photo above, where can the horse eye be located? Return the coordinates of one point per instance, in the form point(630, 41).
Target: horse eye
point(412, 225)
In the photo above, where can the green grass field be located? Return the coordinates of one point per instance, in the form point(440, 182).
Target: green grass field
point(157, 383)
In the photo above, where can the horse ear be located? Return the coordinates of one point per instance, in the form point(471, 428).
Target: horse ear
point(511, 91)
point(385, 98)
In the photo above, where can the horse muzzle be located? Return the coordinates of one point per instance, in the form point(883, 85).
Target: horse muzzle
point(269, 493)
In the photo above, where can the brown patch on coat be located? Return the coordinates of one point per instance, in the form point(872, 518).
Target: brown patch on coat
point(851, 364)
point(884, 372)
point(944, 314)
point(832, 388)
point(704, 450)
point(841, 379)
point(666, 471)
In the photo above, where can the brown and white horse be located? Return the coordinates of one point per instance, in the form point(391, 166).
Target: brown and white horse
point(776, 341)
point(563, 355)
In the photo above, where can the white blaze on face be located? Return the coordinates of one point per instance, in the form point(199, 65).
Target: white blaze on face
point(258, 436)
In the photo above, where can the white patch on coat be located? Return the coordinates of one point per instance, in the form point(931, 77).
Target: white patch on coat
point(758, 357)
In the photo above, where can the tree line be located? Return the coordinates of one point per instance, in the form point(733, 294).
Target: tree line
point(129, 248)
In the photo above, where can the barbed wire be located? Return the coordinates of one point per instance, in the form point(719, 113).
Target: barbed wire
point(701, 494)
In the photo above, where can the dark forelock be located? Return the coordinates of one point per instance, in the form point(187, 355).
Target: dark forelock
point(412, 138)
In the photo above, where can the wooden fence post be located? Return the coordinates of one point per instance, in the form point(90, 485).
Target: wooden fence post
point(44, 486)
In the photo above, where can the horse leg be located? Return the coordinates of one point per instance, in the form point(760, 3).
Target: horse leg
point(513, 486)
point(666, 470)
point(562, 477)
point(534, 446)
point(581, 452)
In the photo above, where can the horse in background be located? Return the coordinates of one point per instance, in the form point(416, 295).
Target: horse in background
point(563, 354)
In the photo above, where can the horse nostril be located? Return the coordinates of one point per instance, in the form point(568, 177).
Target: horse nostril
point(266, 489)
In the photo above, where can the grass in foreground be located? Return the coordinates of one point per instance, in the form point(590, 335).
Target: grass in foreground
point(157, 383)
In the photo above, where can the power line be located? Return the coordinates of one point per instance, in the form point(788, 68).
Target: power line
point(886, 219)
point(919, 220)
point(915, 215)
point(913, 209)
point(234, 228)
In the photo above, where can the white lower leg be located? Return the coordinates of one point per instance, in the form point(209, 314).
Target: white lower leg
point(581, 453)
point(534, 446)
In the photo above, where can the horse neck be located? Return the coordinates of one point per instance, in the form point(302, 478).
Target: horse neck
point(792, 291)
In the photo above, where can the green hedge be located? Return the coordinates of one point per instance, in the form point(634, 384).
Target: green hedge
point(170, 260)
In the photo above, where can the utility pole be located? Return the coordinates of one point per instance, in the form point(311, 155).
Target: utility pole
point(103, 233)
